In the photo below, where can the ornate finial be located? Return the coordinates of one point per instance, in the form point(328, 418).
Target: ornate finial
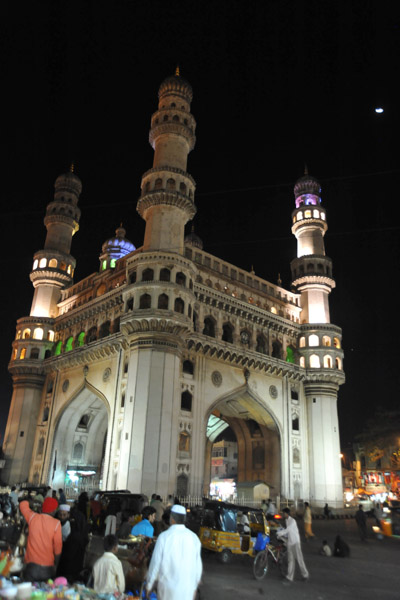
point(177, 73)
point(279, 282)
point(305, 169)
point(246, 374)
point(72, 167)
point(252, 271)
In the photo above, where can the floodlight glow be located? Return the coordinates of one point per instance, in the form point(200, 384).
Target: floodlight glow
point(379, 110)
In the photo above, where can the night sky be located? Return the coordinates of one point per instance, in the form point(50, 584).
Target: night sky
point(277, 85)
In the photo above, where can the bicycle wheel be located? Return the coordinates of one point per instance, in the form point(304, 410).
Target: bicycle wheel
point(260, 565)
point(283, 562)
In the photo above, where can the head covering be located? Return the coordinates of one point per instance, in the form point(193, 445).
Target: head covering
point(178, 509)
point(49, 505)
point(65, 507)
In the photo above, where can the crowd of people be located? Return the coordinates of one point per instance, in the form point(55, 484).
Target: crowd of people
point(59, 534)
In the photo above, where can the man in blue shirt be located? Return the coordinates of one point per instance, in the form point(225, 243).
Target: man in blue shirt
point(145, 527)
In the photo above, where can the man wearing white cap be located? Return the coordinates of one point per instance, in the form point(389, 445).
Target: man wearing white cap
point(63, 515)
point(176, 562)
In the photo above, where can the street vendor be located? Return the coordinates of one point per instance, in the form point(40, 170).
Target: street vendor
point(44, 543)
point(145, 526)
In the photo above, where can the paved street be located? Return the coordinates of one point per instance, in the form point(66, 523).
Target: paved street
point(371, 572)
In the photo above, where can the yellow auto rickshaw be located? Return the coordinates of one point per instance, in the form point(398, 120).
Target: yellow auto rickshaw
point(224, 530)
point(389, 523)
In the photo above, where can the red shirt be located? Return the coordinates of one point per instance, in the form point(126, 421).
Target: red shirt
point(44, 539)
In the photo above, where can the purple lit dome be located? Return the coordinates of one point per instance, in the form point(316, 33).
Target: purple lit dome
point(118, 246)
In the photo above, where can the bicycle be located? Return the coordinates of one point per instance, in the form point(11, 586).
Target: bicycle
point(278, 553)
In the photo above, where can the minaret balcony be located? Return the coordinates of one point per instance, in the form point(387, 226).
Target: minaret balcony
point(167, 198)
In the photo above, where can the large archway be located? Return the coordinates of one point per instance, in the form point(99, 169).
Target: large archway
point(257, 436)
point(77, 461)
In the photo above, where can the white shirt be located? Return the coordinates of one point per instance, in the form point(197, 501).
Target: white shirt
point(108, 574)
point(176, 564)
point(271, 510)
point(291, 532)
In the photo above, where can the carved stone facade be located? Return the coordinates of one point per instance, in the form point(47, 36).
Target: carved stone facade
point(125, 379)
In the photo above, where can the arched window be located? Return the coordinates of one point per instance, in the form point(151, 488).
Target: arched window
point(34, 353)
point(300, 215)
point(19, 334)
point(188, 367)
point(104, 329)
point(316, 213)
point(273, 310)
point(47, 354)
point(276, 349)
point(78, 451)
point(302, 342)
point(290, 354)
point(179, 305)
point(84, 422)
point(209, 327)
point(182, 187)
point(148, 275)
point(326, 340)
point(129, 304)
point(69, 269)
point(163, 302)
point(38, 333)
point(35, 264)
point(336, 342)
point(170, 184)
point(261, 344)
point(338, 363)
point(132, 277)
point(58, 348)
point(313, 340)
point(181, 485)
point(14, 354)
point(145, 301)
point(45, 417)
point(186, 401)
point(53, 263)
point(92, 334)
point(113, 262)
point(180, 279)
point(50, 335)
point(22, 354)
point(158, 182)
point(63, 266)
point(147, 186)
point(184, 443)
point(165, 275)
point(40, 446)
point(42, 263)
point(69, 344)
point(308, 214)
point(175, 118)
point(315, 363)
point(227, 333)
point(295, 422)
point(302, 361)
point(165, 118)
point(80, 340)
point(294, 394)
point(327, 362)
point(27, 334)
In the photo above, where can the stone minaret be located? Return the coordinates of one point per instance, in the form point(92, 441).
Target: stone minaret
point(159, 300)
point(320, 346)
point(167, 200)
point(53, 269)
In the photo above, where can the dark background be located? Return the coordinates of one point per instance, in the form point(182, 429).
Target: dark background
point(277, 84)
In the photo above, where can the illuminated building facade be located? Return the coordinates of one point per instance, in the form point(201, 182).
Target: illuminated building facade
point(131, 374)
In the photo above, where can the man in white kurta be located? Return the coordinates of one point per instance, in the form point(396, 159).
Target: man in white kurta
point(291, 533)
point(176, 562)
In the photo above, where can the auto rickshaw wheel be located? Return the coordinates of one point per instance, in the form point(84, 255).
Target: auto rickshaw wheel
point(225, 556)
point(260, 565)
